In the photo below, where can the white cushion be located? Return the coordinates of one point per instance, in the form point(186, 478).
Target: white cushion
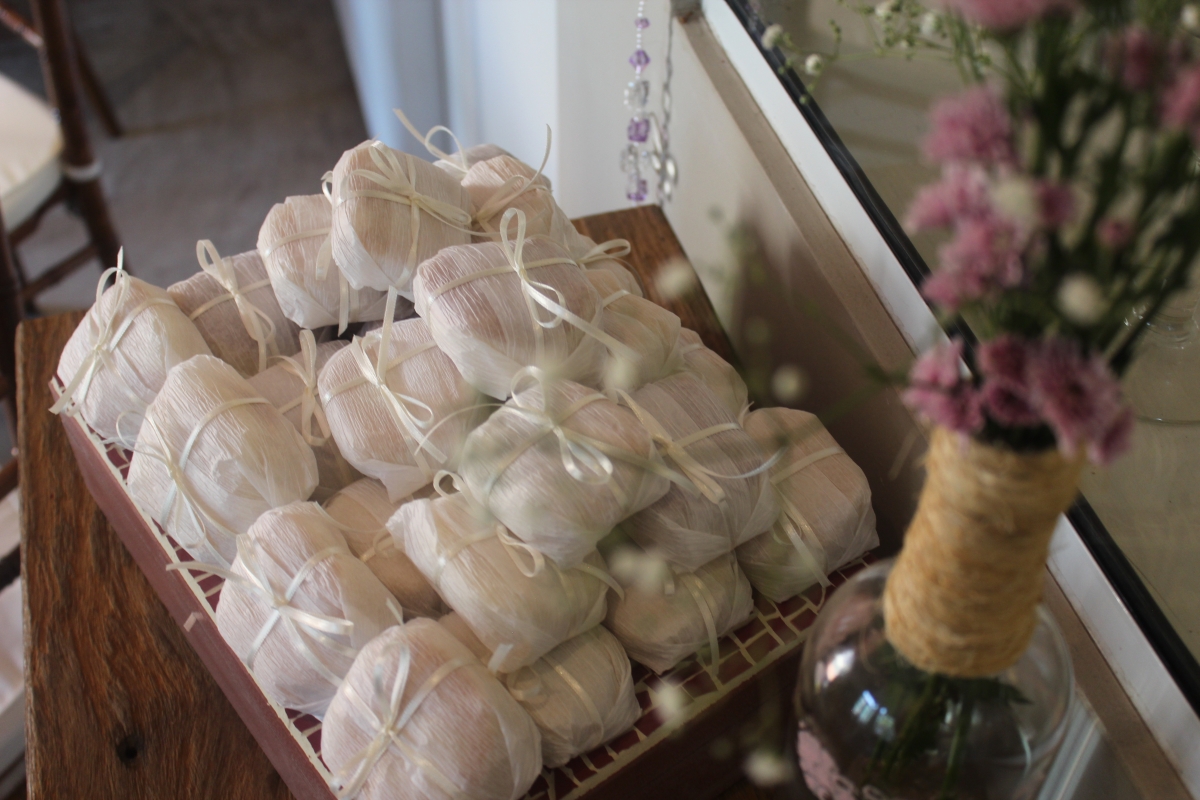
point(30, 144)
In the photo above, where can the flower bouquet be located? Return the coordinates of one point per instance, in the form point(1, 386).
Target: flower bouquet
point(1069, 205)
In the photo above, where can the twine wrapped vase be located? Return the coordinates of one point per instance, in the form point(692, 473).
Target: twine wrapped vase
point(212, 456)
point(580, 694)
point(291, 386)
point(361, 512)
point(953, 633)
point(234, 307)
point(398, 408)
point(661, 625)
point(391, 211)
point(727, 498)
point(419, 718)
point(560, 464)
point(825, 518)
point(297, 606)
point(520, 604)
point(499, 307)
point(294, 244)
point(118, 357)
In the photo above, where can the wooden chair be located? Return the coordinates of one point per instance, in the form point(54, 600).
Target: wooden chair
point(77, 182)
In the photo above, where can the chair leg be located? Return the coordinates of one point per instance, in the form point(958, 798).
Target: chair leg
point(97, 97)
point(10, 317)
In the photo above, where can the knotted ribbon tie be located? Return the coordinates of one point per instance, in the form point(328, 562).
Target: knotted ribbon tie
point(398, 185)
point(513, 188)
point(538, 690)
point(412, 416)
point(310, 407)
point(793, 523)
point(354, 773)
point(300, 626)
point(458, 160)
point(253, 318)
point(181, 490)
point(100, 356)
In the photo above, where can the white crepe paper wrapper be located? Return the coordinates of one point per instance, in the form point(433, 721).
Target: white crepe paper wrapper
point(732, 500)
point(234, 307)
point(294, 245)
point(297, 606)
point(715, 372)
point(498, 307)
point(560, 464)
point(419, 718)
point(826, 519)
point(391, 211)
point(659, 626)
point(361, 511)
point(503, 182)
point(291, 386)
point(605, 258)
point(118, 357)
point(519, 604)
point(403, 418)
point(212, 456)
point(580, 694)
point(646, 328)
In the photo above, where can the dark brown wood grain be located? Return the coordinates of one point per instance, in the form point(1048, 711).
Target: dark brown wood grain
point(654, 244)
point(118, 704)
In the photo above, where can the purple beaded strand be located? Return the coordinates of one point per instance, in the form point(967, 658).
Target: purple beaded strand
point(637, 96)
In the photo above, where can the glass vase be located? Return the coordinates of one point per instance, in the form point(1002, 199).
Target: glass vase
point(872, 726)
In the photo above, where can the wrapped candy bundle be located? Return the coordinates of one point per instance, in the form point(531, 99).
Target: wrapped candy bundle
point(297, 606)
point(361, 512)
point(646, 328)
point(117, 359)
point(826, 519)
point(503, 182)
point(291, 386)
point(519, 604)
point(234, 307)
point(398, 409)
point(498, 307)
point(212, 456)
point(732, 500)
point(716, 373)
point(660, 626)
point(312, 291)
point(419, 718)
point(580, 694)
point(392, 211)
point(605, 258)
point(560, 464)
point(461, 162)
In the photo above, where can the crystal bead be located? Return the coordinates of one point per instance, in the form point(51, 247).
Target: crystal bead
point(641, 22)
point(637, 94)
point(640, 59)
point(639, 129)
point(629, 158)
point(636, 190)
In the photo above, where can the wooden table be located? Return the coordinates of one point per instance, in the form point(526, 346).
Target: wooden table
point(118, 705)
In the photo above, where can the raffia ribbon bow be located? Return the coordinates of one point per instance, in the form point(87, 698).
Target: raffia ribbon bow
point(258, 324)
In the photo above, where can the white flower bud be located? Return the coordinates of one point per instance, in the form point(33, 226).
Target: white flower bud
point(788, 384)
point(772, 35)
point(671, 703)
point(931, 24)
point(814, 65)
point(1016, 198)
point(1081, 299)
point(885, 10)
point(765, 768)
point(674, 279)
point(1190, 18)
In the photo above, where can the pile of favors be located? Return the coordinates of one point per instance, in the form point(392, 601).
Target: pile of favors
point(455, 470)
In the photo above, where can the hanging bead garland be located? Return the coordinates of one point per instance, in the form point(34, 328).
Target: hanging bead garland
point(645, 152)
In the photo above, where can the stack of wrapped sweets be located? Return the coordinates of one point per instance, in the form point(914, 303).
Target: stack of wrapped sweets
point(360, 512)
point(294, 245)
point(235, 309)
point(538, 404)
point(118, 357)
point(825, 520)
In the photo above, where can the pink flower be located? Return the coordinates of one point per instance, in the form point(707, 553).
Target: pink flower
point(939, 392)
point(1080, 398)
point(1134, 57)
point(1181, 103)
point(962, 192)
point(1056, 204)
point(984, 257)
point(1003, 364)
point(1006, 15)
point(1114, 232)
point(971, 126)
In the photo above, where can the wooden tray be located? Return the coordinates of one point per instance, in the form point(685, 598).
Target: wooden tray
point(757, 663)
